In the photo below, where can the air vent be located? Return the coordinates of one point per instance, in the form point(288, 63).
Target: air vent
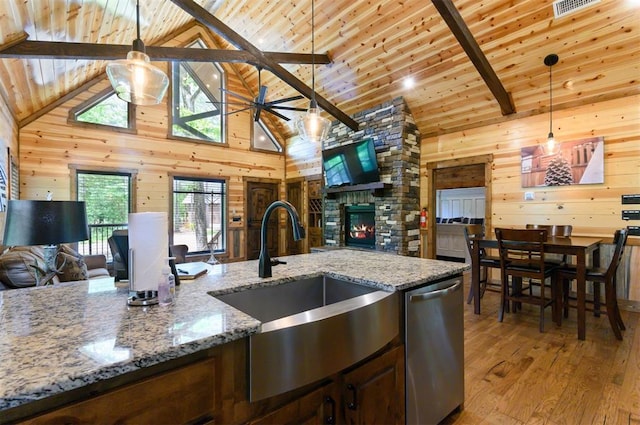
point(565, 7)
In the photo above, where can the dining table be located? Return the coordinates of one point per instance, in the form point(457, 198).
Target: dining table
point(578, 247)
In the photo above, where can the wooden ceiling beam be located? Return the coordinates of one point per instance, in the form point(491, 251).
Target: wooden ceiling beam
point(63, 50)
point(460, 30)
point(217, 26)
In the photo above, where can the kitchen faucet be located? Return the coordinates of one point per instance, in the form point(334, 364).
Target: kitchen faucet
point(264, 266)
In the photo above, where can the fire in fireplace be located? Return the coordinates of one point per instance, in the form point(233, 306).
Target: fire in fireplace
point(360, 226)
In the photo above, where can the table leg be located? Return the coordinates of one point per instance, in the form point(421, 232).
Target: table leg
point(475, 276)
point(581, 283)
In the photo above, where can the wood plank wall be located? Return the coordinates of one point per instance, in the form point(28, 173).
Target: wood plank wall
point(49, 145)
point(593, 210)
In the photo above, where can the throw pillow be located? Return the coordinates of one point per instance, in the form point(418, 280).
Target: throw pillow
point(70, 265)
point(18, 266)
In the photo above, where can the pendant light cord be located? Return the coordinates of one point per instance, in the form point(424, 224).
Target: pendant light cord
point(138, 18)
point(550, 102)
point(313, 58)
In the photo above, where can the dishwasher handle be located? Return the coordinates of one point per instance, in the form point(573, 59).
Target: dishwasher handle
point(436, 294)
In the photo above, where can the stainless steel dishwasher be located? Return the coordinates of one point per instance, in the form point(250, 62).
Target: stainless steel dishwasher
point(434, 350)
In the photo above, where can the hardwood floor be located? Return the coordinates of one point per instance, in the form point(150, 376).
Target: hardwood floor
point(516, 375)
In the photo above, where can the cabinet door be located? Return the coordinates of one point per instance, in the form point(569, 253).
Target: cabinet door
point(315, 408)
point(185, 395)
point(374, 392)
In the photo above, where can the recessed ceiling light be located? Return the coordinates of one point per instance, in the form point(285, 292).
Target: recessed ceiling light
point(409, 82)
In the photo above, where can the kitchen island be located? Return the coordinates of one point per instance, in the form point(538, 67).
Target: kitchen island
point(72, 341)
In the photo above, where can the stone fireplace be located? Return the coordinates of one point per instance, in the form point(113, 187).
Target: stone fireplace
point(360, 226)
point(394, 202)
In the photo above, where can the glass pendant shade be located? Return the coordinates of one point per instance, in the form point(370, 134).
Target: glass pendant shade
point(312, 126)
point(135, 80)
point(551, 142)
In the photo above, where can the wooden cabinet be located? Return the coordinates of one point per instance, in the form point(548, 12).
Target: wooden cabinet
point(374, 392)
point(315, 408)
point(184, 395)
point(314, 221)
point(371, 393)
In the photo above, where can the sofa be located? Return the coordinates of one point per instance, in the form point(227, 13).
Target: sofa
point(19, 266)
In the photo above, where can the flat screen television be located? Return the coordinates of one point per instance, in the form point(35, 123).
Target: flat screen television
point(350, 164)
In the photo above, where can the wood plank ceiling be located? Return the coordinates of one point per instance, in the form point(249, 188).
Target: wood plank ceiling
point(374, 47)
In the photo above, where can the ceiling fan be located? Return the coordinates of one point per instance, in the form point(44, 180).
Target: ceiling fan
point(260, 103)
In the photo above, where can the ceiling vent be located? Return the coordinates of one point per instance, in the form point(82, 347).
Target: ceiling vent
point(565, 7)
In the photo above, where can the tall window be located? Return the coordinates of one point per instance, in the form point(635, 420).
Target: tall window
point(196, 96)
point(106, 110)
point(199, 211)
point(107, 198)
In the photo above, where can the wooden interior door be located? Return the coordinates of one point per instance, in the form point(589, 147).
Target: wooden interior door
point(259, 196)
point(294, 196)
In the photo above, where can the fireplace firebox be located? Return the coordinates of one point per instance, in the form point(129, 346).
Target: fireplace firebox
point(360, 226)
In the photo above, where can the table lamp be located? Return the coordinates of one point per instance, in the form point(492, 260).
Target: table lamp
point(47, 223)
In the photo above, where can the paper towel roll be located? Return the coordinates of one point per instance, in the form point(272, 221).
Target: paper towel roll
point(149, 240)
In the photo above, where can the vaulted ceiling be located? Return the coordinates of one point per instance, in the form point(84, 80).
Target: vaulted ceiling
point(374, 46)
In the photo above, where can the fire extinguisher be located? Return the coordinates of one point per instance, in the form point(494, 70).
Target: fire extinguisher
point(423, 218)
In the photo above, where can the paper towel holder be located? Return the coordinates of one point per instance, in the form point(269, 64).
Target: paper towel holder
point(139, 298)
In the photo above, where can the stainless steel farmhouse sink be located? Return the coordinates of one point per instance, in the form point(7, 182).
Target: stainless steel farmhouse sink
point(312, 328)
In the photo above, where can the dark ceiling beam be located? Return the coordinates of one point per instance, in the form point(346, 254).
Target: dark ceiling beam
point(63, 50)
point(217, 26)
point(460, 30)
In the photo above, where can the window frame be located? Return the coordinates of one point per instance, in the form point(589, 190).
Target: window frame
point(131, 173)
point(174, 94)
point(265, 128)
point(224, 226)
point(93, 101)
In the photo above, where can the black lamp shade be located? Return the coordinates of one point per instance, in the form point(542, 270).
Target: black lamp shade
point(45, 223)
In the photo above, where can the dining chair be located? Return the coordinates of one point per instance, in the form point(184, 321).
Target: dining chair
point(180, 252)
point(522, 256)
point(556, 230)
point(562, 230)
point(599, 276)
point(486, 261)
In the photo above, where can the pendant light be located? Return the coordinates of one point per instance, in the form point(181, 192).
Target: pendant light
point(312, 126)
point(551, 60)
point(134, 79)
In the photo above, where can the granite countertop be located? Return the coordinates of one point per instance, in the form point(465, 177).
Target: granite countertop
point(57, 338)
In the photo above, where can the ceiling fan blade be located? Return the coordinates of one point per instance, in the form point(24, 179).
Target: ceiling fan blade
point(227, 103)
point(271, 111)
point(286, 99)
point(262, 94)
point(230, 93)
point(239, 110)
point(287, 108)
